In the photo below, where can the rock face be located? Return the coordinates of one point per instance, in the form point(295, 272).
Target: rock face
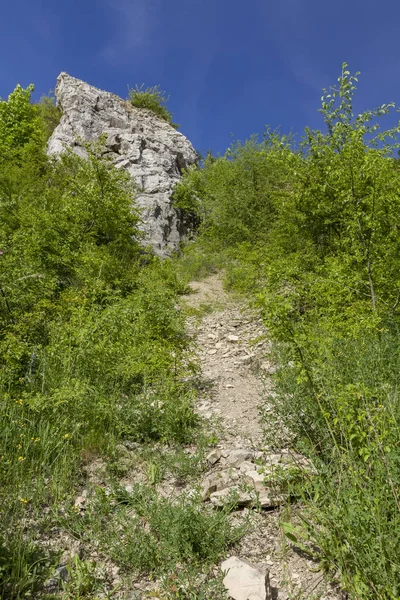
point(152, 151)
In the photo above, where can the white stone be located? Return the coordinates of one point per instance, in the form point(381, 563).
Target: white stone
point(254, 476)
point(214, 456)
point(232, 338)
point(243, 581)
point(237, 457)
point(80, 502)
point(245, 360)
point(234, 493)
point(266, 500)
point(215, 482)
point(247, 466)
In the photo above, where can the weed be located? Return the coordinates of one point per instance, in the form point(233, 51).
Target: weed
point(154, 99)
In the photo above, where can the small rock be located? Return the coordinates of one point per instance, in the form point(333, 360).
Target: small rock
point(51, 586)
point(268, 368)
point(237, 457)
point(245, 360)
point(232, 338)
point(62, 573)
point(245, 582)
point(212, 351)
point(267, 500)
point(236, 322)
point(215, 482)
point(238, 496)
point(80, 502)
point(131, 445)
point(254, 477)
point(247, 466)
point(122, 449)
point(259, 496)
point(214, 456)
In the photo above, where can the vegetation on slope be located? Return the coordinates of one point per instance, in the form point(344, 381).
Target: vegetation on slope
point(92, 351)
point(312, 235)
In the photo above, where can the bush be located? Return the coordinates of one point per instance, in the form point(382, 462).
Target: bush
point(162, 533)
point(49, 114)
point(154, 99)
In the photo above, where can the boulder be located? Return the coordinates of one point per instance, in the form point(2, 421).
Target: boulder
point(137, 140)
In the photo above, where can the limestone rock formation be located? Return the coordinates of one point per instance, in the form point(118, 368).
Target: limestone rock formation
point(152, 151)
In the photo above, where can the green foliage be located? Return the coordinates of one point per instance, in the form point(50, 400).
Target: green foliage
point(175, 541)
point(154, 99)
point(82, 580)
point(186, 197)
point(49, 114)
point(311, 234)
point(234, 195)
point(92, 346)
point(18, 120)
point(147, 533)
point(22, 566)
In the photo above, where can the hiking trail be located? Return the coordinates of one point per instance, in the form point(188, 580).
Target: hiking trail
point(233, 351)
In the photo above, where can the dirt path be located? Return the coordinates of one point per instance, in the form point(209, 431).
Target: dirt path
point(233, 352)
point(228, 348)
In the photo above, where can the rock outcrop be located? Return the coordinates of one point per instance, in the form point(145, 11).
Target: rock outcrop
point(152, 151)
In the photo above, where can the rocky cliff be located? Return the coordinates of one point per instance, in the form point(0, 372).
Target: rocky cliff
point(152, 151)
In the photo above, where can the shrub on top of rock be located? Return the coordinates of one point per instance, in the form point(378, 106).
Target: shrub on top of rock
point(152, 98)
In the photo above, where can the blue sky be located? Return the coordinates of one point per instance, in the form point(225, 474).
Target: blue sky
point(230, 66)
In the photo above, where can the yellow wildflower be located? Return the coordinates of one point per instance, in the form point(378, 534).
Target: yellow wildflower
point(21, 458)
point(24, 500)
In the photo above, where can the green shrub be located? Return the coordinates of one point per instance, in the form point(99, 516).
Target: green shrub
point(49, 114)
point(152, 98)
point(180, 531)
